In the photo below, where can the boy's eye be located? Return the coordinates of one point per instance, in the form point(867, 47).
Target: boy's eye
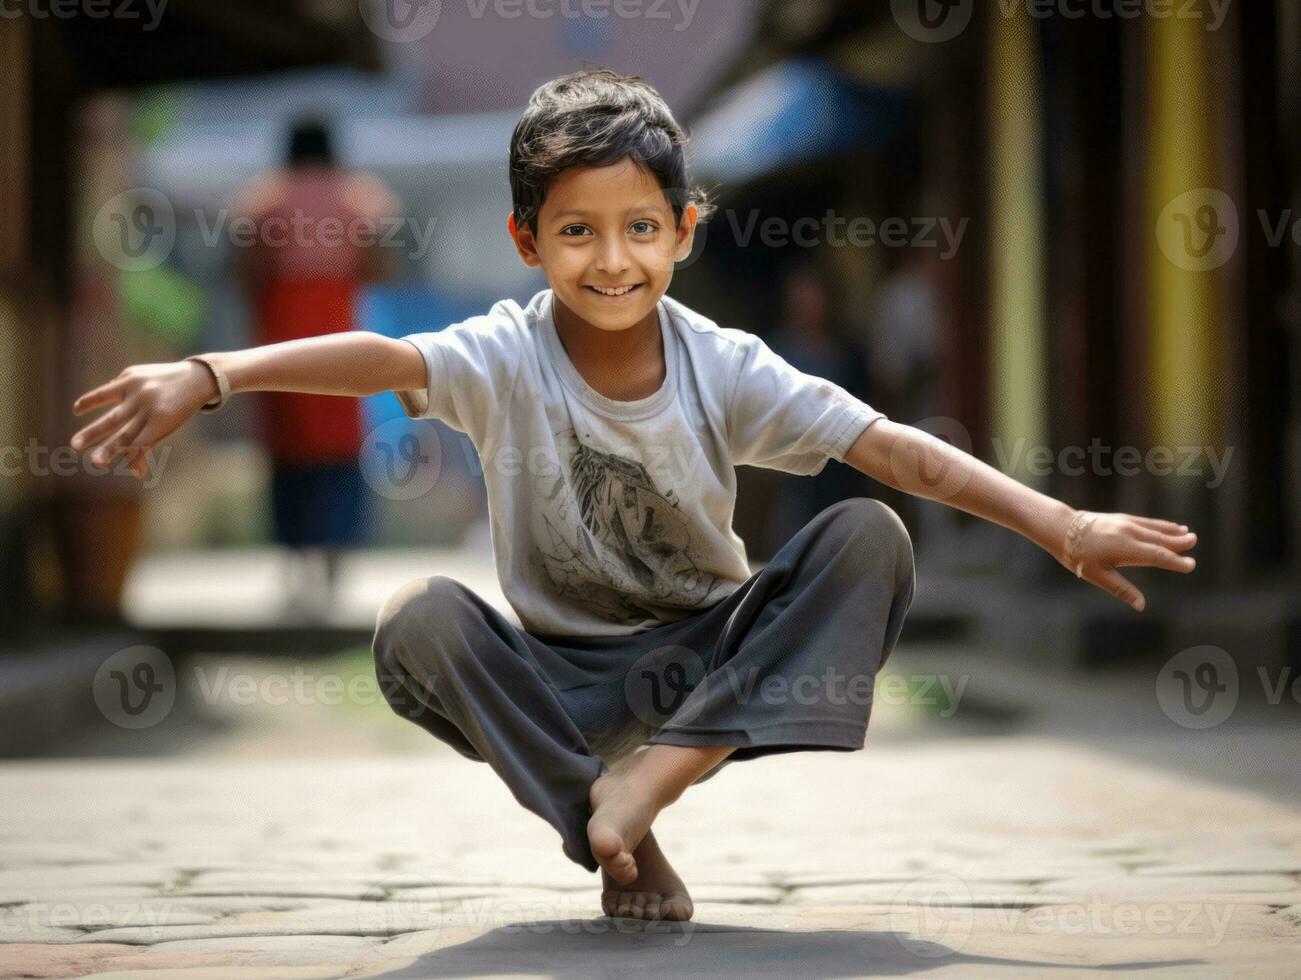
point(642, 227)
point(574, 231)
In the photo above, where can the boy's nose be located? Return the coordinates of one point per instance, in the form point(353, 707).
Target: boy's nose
point(613, 259)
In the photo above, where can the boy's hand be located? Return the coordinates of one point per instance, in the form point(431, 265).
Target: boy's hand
point(151, 402)
point(1097, 544)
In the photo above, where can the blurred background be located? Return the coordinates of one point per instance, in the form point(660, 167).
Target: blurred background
point(1061, 236)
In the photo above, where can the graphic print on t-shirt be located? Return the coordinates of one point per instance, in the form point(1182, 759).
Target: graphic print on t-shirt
point(613, 542)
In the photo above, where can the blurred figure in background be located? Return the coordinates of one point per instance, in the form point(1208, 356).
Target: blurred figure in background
point(903, 326)
point(318, 239)
point(808, 338)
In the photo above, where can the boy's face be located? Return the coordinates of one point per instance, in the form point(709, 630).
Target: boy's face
point(607, 241)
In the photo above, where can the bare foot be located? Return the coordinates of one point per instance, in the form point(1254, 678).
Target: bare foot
point(657, 893)
point(622, 812)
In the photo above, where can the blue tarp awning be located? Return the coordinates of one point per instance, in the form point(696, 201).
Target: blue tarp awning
point(792, 112)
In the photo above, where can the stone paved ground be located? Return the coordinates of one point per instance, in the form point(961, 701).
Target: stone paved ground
point(312, 841)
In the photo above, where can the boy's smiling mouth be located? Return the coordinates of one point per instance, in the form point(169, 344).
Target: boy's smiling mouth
point(614, 292)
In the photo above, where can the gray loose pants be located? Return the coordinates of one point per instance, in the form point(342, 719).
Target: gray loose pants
point(787, 662)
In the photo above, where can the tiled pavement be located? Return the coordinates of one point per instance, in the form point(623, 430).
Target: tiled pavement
point(973, 855)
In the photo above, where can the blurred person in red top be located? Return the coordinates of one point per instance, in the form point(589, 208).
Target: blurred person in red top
point(316, 244)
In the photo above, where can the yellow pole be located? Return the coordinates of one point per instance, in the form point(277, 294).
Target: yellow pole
point(1017, 346)
point(1196, 232)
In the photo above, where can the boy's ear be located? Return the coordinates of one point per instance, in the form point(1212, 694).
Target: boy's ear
point(525, 243)
point(686, 233)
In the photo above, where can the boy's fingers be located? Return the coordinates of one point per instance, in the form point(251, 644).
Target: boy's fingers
point(144, 462)
point(96, 431)
point(1175, 542)
point(1156, 524)
point(132, 455)
point(121, 442)
point(142, 448)
point(138, 461)
point(100, 454)
point(1157, 556)
point(1122, 588)
point(131, 439)
point(105, 394)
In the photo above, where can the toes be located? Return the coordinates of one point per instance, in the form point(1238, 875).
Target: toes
point(610, 853)
point(677, 909)
point(623, 869)
point(631, 905)
point(651, 906)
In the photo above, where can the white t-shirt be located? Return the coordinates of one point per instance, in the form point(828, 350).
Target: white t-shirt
point(611, 517)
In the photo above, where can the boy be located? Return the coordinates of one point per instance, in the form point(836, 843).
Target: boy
point(645, 640)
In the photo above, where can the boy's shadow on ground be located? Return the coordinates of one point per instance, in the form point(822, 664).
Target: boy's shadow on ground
point(606, 946)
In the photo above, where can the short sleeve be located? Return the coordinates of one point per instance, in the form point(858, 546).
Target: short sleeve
point(470, 369)
point(781, 418)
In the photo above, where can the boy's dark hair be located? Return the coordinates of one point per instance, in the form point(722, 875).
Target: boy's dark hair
point(595, 118)
point(310, 143)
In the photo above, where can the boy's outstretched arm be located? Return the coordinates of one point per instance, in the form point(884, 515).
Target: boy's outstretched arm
point(151, 401)
point(1091, 545)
